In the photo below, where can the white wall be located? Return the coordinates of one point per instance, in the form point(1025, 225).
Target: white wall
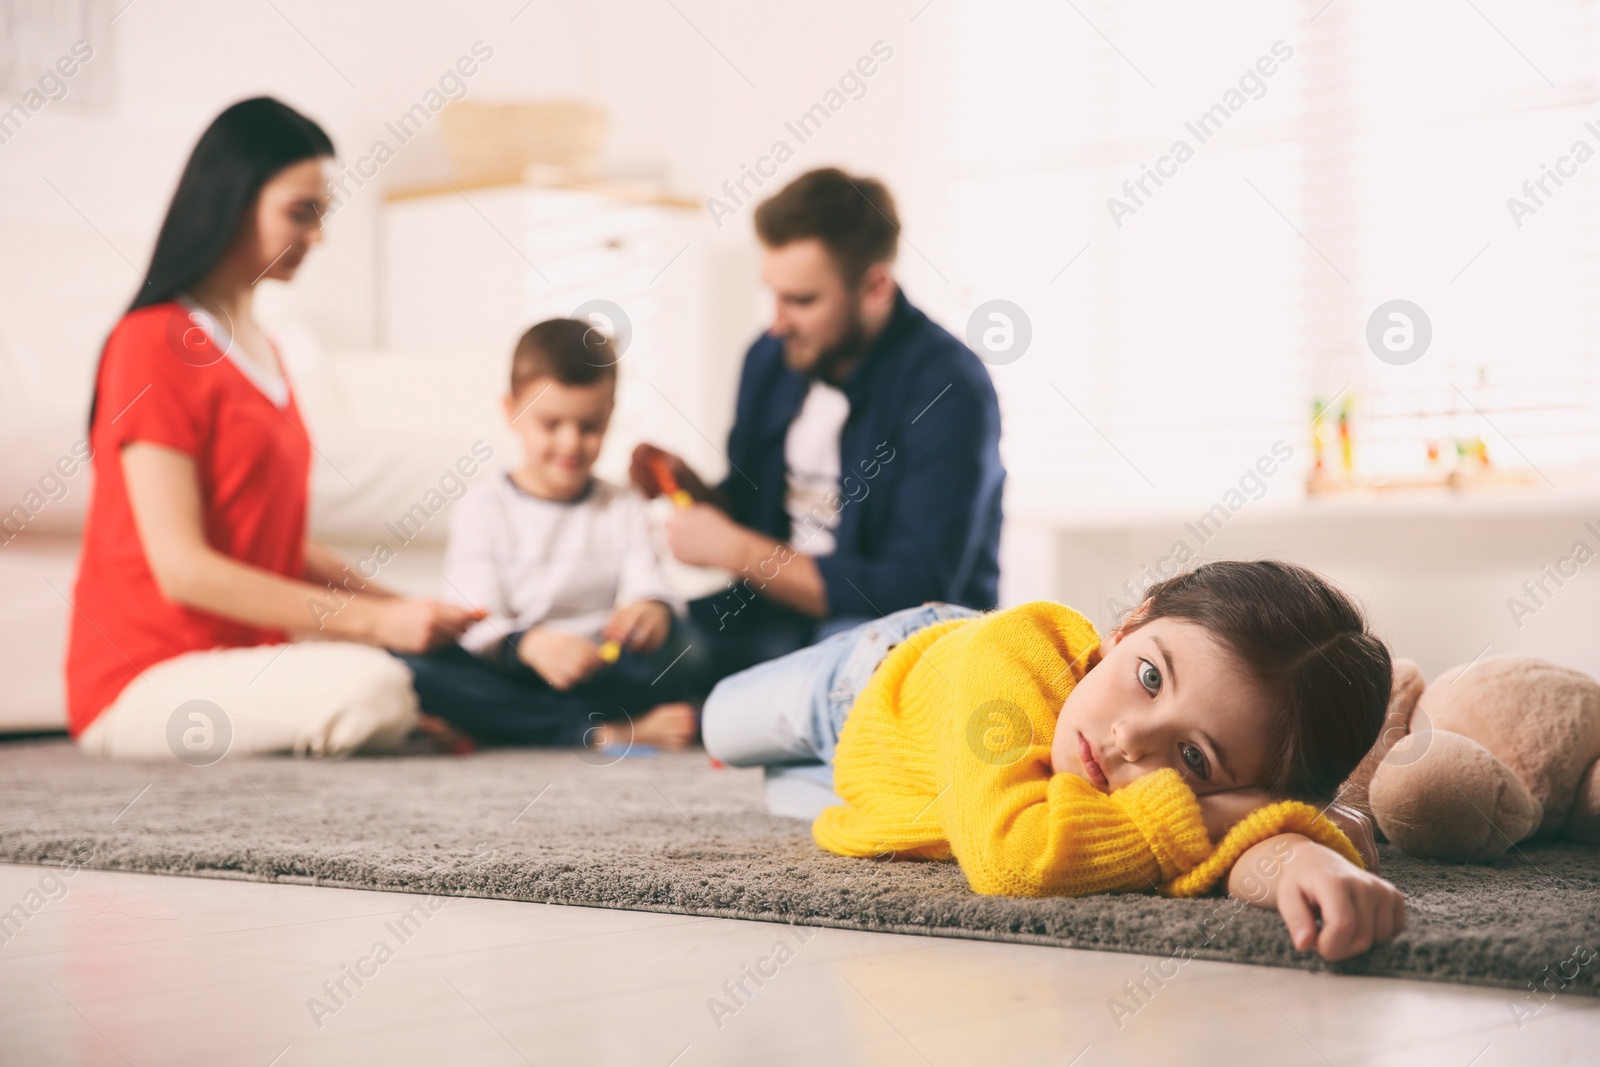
point(680, 113)
point(176, 64)
point(1441, 589)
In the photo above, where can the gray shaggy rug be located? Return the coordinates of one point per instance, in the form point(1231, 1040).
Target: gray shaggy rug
point(667, 833)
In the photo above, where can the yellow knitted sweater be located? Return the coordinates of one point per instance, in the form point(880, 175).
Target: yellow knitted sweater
point(946, 754)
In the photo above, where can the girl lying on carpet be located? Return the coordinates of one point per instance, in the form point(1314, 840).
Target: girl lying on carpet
point(1204, 741)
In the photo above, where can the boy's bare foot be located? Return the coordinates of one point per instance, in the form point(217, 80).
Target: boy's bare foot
point(670, 726)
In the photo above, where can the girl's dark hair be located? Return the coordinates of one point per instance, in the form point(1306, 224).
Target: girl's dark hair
point(1308, 644)
point(242, 149)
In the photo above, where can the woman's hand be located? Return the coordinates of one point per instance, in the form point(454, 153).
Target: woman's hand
point(407, 625)
point(562, 659)
point(1224, 808)
point(164, 493)
point(639, 627)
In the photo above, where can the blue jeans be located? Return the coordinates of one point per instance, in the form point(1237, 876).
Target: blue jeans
point(786, 715)
point(500, 700)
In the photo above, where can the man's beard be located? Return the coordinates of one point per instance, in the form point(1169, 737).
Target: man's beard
point(838, 357)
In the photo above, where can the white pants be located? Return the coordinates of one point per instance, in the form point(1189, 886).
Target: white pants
point(309, 698)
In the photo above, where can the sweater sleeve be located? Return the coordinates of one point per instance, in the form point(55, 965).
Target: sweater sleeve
point(1284, 817)
point(641, 576)
point(472, 571)
point(1018, 830)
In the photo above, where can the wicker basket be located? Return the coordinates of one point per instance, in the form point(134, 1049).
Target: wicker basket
point(498, 142)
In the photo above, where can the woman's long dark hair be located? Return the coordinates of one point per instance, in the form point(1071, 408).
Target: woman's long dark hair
point(242, 149)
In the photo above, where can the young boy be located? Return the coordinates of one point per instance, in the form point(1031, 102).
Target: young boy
point(574, 647)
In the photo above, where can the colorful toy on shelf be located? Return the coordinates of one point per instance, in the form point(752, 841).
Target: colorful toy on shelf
point(1319, 437)
point(1327, 428)
point(1347, 463)
point(1454, 464)
point(1474, 447)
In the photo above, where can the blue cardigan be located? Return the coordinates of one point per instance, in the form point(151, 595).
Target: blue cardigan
point(920, 475)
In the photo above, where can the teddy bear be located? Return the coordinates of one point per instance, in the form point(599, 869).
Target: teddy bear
point(1495, 752)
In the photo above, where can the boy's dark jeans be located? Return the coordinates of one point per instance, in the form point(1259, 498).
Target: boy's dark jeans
point(503, 701)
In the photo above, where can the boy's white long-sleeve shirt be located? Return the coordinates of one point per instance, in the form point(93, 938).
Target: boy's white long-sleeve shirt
point(528, 561)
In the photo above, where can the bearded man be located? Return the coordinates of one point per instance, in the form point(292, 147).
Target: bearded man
point(864, 463)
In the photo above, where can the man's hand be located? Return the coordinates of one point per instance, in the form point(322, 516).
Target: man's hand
point(704, 536)
point(640, 626)
point(1222, 809)
point(562, 659)
point(642, 473)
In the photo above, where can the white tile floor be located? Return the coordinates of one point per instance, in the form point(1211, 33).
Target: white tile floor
point(106, 968)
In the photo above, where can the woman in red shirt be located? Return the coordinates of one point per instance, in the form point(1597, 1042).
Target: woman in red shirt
point(196, 567)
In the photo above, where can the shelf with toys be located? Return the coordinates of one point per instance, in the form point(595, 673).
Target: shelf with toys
point(1455, 463)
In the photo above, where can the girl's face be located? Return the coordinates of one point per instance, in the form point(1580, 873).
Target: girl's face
point(287, 221)
point(1165, 695)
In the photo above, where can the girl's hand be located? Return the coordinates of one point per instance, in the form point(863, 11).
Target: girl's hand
point(1222, 809)
point(1357, 909)
point(639, 627)
point(1305, 882)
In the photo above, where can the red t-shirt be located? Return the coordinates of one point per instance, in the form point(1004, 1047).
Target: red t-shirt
point(164, 381)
